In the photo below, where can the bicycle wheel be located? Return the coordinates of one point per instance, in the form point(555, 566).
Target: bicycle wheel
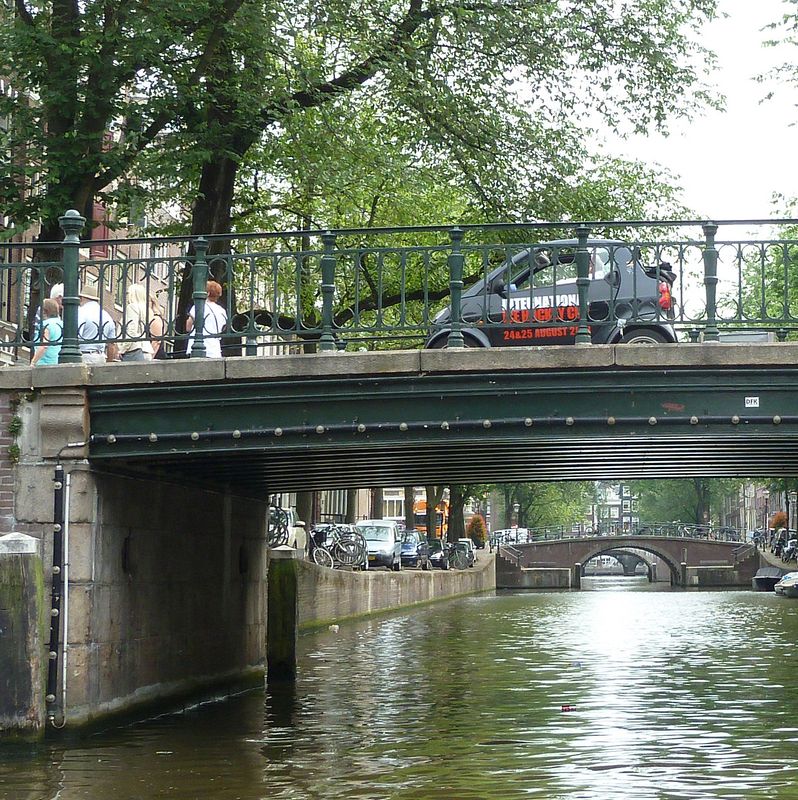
point(458, 559)
point(349, 549)
point(322, 557)
point(278, 528)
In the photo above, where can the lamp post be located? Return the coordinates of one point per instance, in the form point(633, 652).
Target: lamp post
point(766, 526)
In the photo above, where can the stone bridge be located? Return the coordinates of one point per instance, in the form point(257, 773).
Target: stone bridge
point(690, 561)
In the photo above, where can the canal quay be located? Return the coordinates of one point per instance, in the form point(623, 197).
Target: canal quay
point(625, 689)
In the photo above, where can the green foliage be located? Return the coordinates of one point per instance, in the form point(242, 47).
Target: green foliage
point(548, 504)
point(479, 103)
point(682, 500)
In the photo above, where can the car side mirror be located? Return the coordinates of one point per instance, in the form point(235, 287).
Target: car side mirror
point(613, 278)
point(498, 286)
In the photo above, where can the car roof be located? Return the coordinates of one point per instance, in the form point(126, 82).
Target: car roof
point(380, 523)
point(524, 252)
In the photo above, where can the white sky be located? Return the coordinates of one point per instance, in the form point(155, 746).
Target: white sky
point(730, 163)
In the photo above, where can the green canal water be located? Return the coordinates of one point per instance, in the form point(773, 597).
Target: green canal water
point(673, 694)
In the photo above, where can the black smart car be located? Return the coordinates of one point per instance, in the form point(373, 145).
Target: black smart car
point(532, 299)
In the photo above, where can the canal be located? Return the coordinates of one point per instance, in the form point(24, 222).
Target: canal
point(672, 694)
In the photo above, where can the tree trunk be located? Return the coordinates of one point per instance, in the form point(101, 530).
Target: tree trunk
point(351, 506)
point(304, 508)
point(376, 503)
point(410, 499)
point(508, 506)
point(457, 500)
point(434, 495)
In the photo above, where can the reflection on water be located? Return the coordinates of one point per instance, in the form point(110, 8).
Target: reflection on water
point(675, 695)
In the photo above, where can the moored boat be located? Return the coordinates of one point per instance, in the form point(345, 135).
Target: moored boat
point(788, 585)
point(766, 578)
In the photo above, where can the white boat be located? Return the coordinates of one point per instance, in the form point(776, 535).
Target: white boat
point(788, 585)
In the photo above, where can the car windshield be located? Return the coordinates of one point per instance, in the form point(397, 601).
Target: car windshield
point(559, 266)
point(375, 533)
point(411, 538)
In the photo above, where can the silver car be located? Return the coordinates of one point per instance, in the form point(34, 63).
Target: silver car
point(384, 542)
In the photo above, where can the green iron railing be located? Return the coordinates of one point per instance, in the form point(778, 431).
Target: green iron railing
point(307, 291)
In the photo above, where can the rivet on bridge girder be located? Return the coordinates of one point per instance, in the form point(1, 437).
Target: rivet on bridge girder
point(610, 420)
point(777, 420)
point(735, 420)
point(528, 422)
point(153, 437)
point(486, 423)
point(652, 420)
point(444, 426)
point(236, 434)
point(361, 428)
point(278, 431)
point(111, 438)
point(194, 436)
point(569, 421)
point(320, 429)
point(694, 420)
point(402, 426)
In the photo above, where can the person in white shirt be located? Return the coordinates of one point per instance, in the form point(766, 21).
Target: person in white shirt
point(215, 322)
point(95, 325)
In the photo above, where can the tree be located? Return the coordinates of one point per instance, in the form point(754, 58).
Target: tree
point(195, 87)
point(459, 495)
point(688, 500)
point(477, 530)
point(548, 504)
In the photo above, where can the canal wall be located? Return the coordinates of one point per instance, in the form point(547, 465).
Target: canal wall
point(167, 582)
point(326, 596)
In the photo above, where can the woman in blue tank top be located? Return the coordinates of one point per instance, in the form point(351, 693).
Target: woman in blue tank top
point(51, 333)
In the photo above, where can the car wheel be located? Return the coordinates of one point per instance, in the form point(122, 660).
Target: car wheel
point(443, 342)
point(398, 566)
point(642, 336)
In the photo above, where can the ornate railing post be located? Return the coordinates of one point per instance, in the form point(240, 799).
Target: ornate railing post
point(327, 340)
point(199, 272)
point(71, 224)
point(711, 333)
point(582, 283)
point(455, 263)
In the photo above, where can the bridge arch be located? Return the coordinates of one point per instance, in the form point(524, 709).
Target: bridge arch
point(606, 547)
point(629, 558)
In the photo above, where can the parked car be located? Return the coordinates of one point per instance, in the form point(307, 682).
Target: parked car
point(468, 544)
point(415, 550)
point(437, 555)
point(532, 299)
point(384, 542)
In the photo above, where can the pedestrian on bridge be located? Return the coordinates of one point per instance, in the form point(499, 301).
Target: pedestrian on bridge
point(51, 333)
point(96, 329)
point(215, 322)
point(135, 342)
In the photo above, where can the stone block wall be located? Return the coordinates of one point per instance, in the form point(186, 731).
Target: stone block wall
point(326, 595)
point(167, 594)
point(167, 590)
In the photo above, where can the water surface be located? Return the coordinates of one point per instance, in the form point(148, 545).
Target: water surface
point(673, 694)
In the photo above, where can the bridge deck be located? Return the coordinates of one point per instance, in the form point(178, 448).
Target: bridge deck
point(388, 418)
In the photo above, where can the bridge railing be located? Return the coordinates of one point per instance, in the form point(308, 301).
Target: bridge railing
point(514, 536)
point(302, 291)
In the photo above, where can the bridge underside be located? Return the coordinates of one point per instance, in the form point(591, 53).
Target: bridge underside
point(456, 417)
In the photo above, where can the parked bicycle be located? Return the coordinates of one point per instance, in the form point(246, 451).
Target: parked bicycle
point(339, 546)
point(278, 529)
